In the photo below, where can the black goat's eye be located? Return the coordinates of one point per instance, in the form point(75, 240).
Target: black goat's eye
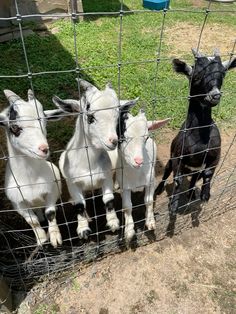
point(91, 118)
point(15, 129)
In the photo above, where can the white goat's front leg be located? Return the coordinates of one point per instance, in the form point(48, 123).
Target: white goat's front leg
point(78, 200)
point(32, 219)
point(53, 229)
point(148, 199)
point(127, 208)
point(108, 199)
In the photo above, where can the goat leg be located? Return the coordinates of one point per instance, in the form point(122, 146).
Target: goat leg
point(174, 202)
point(167, 172)
point(205, 191)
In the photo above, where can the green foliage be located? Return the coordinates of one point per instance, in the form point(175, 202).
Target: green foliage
point(162, 92)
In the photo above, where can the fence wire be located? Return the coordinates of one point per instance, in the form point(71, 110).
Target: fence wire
point(22, 262)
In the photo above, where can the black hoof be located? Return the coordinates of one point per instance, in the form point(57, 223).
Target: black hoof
point(205, 197)
point(84, 234)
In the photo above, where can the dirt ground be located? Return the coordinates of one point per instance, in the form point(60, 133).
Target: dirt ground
point(191, 272)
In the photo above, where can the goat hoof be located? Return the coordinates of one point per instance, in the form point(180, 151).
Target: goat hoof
point(84, 234)
point(151, 224)
point(129, 234)
point(112, 221)
point(114, 225)
point(55, 238)
point(205, 197)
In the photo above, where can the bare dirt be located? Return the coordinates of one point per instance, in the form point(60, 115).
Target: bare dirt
point(214, 35)
point(192, 272)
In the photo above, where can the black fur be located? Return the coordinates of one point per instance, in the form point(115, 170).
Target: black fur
point(198, 141)
point(50, 215)
point(121, 126)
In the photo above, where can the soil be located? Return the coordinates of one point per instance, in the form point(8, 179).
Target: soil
point(188, 266)
point(214, 35)
point(191, 273)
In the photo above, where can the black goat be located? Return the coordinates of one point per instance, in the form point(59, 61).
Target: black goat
point(196, 149)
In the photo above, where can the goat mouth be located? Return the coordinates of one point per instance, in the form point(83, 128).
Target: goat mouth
point(212, 101)
point(109, 147)
point(38, 156)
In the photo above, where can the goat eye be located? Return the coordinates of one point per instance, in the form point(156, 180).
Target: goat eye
point(15, 129)
point(91, 118)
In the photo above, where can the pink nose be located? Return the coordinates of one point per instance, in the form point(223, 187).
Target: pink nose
point(113, 140)
point(138, 160)
point(43, 148)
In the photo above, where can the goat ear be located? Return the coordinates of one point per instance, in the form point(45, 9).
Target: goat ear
point(153, 125)
point(54, 114)
point(109, 85)
point(66, 105)
point(230, 64)
point(30, 95)
point(182, 67)
point(197, 53)
point(85, 84)
point(11, 96)
point(126, 105)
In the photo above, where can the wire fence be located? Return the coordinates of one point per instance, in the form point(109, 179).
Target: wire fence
point(22, 261)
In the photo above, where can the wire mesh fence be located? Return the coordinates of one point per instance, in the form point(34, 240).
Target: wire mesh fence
point(23, 261)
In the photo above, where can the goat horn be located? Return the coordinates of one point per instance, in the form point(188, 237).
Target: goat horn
point(11, 96)
point(84, 84)
point(196, 53)
point(216, 52)
point(109, 85)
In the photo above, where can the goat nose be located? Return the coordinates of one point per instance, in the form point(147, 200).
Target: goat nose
point(216, 96)
point(138, 160)
point(44, 148)
point(113, 140)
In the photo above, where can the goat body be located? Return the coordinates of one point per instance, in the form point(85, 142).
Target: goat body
point(31, 182)
point(85, 163)
point(196, 149)
point(136, 165)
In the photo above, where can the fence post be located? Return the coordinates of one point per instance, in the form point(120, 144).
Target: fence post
point(5, 297)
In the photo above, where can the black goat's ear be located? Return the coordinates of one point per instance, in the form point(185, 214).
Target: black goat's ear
point(182, 67)
point(230, 64)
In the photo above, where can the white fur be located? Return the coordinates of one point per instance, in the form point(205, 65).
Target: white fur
point(134, 177)
point(87, 169)
point(29, 178)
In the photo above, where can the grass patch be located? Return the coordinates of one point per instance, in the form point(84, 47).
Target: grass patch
point(162, 92)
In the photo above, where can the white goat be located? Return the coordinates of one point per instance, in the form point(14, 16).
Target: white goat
point(85, 163)
point(135, 166)
point(30, 180)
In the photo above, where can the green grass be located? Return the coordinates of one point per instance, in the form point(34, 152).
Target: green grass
point(98, 46)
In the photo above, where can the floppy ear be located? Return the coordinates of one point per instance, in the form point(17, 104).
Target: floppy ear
point(230, 64)
point(182, 67)
point(54, 114)
point(66, 105)
point(156, 124)
point(126, 105)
